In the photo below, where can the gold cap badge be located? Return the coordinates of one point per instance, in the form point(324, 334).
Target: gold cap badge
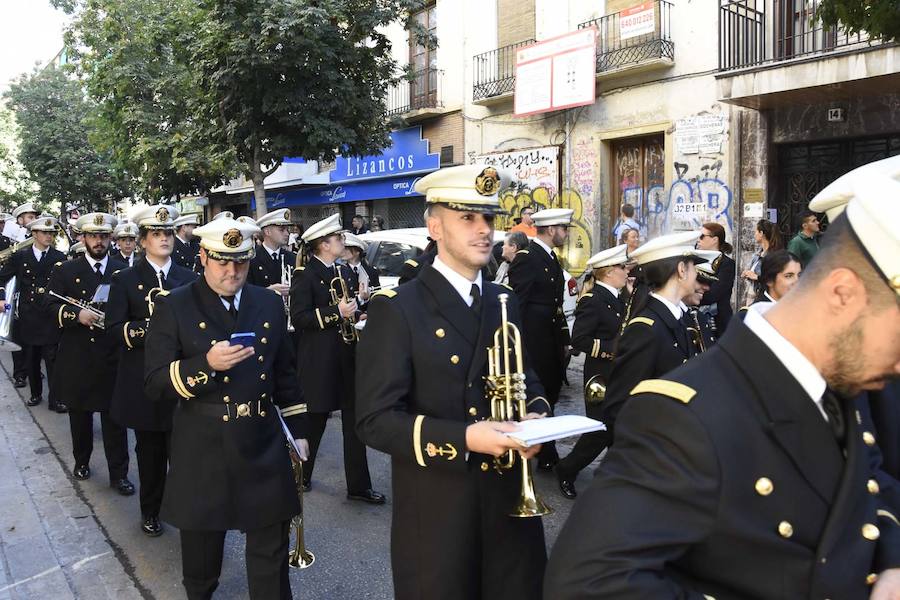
point(162, 215)
point(487, 182)
point(98, 220)
point(232, 238)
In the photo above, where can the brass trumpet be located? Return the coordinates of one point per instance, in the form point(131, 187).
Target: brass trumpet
point(505, 390)
point(153, 293)
point(101, 316)
point(594, 390)
point(339, 293)
point(300, 557)
point(5, 255)
point(696, 332)
point(286, 274)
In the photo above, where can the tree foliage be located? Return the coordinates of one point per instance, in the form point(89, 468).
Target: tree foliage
point(246, 82)
point(15, 187)
point(52, 113)
point(880, 18)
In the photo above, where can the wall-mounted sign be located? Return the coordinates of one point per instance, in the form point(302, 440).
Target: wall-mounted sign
point(407, 155)
point(637, 20)
point(557, 73)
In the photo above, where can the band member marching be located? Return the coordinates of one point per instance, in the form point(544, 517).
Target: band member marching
point(35, 325)
point(362, 275)
point(23, 215)
point(323, 310)
point(126, 235)
point(186, 245)
point(273, 262)
point(598, 321)
point(220, 348)
point(131, 301)
point(85, 368)
point(421, 398)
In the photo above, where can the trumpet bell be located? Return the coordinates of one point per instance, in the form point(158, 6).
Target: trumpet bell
point(7, 317)
point(300, 557)
point(594, 390)
point(529, 503)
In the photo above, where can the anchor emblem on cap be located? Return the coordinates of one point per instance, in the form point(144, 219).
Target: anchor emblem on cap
point(233, 238)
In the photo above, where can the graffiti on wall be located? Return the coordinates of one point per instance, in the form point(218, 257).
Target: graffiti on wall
point(531, 168)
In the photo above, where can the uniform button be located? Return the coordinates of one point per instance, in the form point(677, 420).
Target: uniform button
point(263, 396)
point(764, 486)
point(871, 578)
point(264, 340)
point(785, 529)
point(227, 398)
point(262, 376)
point(226, 379)
point(92, 339)
point(858, 418)
point(260, 359)
point(473, 411)
point(872, 486)
point(201, 325)
point(868, 438)
point(225, 418)
point(140, 286)
point(266, 325)
point(440, 333)
point(212, 342)
point(485, 466)
point(454, 359)
point(870, 532)
point(470, 384)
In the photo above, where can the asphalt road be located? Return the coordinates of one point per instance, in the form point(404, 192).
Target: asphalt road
point(350, 539)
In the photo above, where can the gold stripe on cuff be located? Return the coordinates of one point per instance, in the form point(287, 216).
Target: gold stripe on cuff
point(125, 332)
point(319, 317)
point(59, 315)
point(294, 409)
point(889, 515)
point(417, 440)
point(175, 376)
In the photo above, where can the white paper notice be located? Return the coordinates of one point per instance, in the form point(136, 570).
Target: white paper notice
point(538, 431)
point(533, 94)
point(573, 77)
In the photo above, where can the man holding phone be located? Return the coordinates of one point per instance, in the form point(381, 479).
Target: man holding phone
point(219, 346)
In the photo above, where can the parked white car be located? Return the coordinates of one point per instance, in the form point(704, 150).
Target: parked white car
point(389, 249)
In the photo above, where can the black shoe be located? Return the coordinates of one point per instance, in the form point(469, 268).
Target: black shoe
point(33, 401)
point(152, 527)
point(566, 485)
point(20, 382)
point(59, 407)
point(123, 486)
point(82, 472)
point(370, 496)
point(307, 485)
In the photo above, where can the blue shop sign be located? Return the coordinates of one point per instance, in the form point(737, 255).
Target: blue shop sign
point(392, 187)
point(407, 155)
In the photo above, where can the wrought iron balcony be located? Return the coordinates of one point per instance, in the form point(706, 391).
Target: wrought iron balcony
point(759, 32)
point(494, 72)
point(619, 47)
point(421, 92)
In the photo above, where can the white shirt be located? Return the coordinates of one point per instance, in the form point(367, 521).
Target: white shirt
point(793, 360)
point(37, 253)
point(611, 289)
point(272, 252)
point(673, 308)
point(771, 299)
point(330, 266)
point(94, 263)
point(237, 300)
point(544, 246)
point(165, 268)
point(360, 271)
point(129, 259)
point(462, 285)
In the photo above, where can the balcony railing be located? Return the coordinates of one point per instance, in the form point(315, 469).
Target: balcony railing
point(759, 32)
point(422, 91)
point(619, 47)
point(495, 71)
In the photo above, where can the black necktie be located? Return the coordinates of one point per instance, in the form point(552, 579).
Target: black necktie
point(356, 270)
point(476, 300)
point(832, 405)
point(161, 278)
point(97, 267)
point(275, 257)
point(43, 255)
point(232, 310)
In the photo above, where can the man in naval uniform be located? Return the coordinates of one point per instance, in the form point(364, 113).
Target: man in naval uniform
point(273, 258)
point(125, 235)
point(186, 245)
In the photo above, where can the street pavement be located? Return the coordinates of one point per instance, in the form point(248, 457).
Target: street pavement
point(61, 538)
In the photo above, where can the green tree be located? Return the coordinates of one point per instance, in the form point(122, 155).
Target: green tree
point(880, 18)
point(53, 113)
point(258, 80)
point(138, 69)
point(15, 187)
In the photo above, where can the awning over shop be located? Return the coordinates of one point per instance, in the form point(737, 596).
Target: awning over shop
point(376, 189)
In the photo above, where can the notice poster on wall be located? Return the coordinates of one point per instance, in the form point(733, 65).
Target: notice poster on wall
point(637, 20)
point(530, 168)
point(700, 134)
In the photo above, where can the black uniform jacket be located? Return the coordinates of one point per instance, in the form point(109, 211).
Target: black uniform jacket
point(419, 377)
point(598, 320)
point(128, 315)
point(184, 254)
point(323, 359)
point(229, 465)
point(719, 292)
point(885, 410)
point(411, 268)
point(696, 320)
point(85, 368)
point(726, 480)
point(117, 254)
point(653, 343)
point(538, 282)
point(264, 271)
point(34, 316)
point(353, 280)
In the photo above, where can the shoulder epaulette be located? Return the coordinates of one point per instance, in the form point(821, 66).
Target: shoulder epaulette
point(57, 263)
point(163, 293)
point(116, 271)
point(386, 293)
point(588, 295)
point(411, 262)
point(299, 268)
point(522, 252)
point(643, 320)
point(672, 389)
point(744, 309)
point(507, 286)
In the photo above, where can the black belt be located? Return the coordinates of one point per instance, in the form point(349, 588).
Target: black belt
point(228, 411)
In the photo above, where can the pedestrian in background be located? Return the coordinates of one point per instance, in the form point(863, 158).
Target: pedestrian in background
point(768, 239)
point(805, 244)
point(631, 238)
point(718, 298)
point(526, 223)
point(515, 241)
point(780, 272)
point(358, 225)
point(377, 223)
point(626, 221)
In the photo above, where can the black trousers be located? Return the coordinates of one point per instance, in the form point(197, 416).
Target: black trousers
point(34, 355)
point(587, 448)
point(356, 463)
point(20, 369)
point(266, 553)
point(115, 441)
point(152, 451)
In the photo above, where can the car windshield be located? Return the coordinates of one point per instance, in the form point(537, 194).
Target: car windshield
point(392, 255)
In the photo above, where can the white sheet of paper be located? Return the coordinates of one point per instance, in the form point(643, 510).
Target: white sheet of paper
point(538, 431)
point(287, 433)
